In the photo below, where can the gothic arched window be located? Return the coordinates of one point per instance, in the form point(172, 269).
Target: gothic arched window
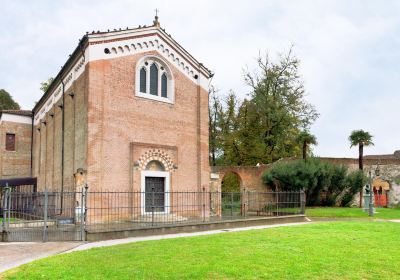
point(143, 80)
point(154, 80)
point(164, 82)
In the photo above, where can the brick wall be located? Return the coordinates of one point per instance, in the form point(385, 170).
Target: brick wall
point(117, 118)
point(251, 176)
point(15, 163)
point(49, 140)
point(103, 121)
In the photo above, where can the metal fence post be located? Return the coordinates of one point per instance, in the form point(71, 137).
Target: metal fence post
point(81, 213)
point(5, 208)
point(85, 199)
point(277, 203)
point(231, 204)
point(46, 204)
point(204, 204)
point(243, 199)
point(8, 206)
point(152, 206)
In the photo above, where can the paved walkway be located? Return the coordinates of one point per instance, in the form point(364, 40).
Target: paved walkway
point(13, 254)
point(17, 253)
point(112, 242)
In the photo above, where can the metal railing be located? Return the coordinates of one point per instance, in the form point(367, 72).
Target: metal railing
point(135, 210)
point(41, 216)
point(47, 216)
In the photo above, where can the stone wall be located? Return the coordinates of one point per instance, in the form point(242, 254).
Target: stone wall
point(389, 170)
point(251, 176)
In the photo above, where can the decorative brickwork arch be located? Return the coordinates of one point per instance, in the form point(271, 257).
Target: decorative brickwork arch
point(250, 176)
point(156, 155)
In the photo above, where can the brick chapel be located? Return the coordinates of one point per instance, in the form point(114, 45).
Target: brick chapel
point(127, 111)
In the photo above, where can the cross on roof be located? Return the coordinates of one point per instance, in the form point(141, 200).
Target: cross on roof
point(156, 22)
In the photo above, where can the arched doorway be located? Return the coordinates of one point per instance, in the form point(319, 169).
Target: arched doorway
point(381, 188)
point(231, 182)
point(231, 198)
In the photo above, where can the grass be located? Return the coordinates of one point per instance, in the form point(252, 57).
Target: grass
point(11, 220)
point(346, 212)
point(332, 250)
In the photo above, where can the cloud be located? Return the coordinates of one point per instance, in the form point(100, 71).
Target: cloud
point(349, 51)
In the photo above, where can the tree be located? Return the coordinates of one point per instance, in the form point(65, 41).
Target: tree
point(228, 132)
point(361, 138)
point(264, 126)
point(44, 86)
point(250, 144)
point(214, 114)
point(306, 139)
point(7, 102)
point(279, 96)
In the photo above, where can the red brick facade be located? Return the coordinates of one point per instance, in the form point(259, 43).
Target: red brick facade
point(15, 161)
point(122, 128)
point(91, 126)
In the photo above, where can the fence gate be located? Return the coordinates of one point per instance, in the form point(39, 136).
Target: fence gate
point(42, 216)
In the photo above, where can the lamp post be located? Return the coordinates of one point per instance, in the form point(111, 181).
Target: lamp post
point(371, 200)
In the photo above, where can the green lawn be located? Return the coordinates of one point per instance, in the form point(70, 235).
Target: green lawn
point(332, 250)
point(346, 212)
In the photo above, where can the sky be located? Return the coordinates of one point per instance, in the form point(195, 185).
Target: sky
point(349, 52)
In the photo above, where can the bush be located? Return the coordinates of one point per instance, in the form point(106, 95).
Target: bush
point(346, 200)
point(316, 177)
point(355, 182)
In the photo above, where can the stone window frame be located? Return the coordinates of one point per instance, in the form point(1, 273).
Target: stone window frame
point(145, 63)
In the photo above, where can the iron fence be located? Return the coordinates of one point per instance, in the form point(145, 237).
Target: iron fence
point(136, 210)
point(41, 216)
point(29, 216)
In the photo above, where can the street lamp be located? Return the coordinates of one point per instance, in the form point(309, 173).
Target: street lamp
point(370, 196)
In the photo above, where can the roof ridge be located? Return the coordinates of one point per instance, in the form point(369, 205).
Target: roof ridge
point(19, 112)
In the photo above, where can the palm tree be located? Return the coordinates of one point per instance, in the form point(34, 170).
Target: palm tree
point(361, 138)
point(306, 139)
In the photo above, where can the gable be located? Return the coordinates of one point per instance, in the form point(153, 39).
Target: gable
point(109, 45)
point(151, 40)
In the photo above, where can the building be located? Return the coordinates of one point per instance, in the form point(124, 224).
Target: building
point(127, 117)
point(15, 150)
point(128, 111)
